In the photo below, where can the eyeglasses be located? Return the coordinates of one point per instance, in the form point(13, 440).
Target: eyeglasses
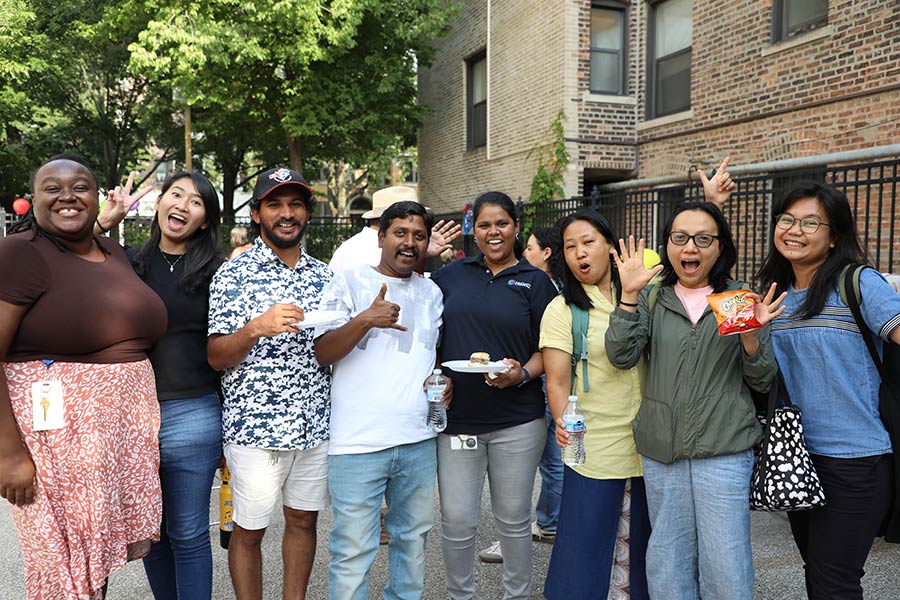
point(701, 240)
point(808, 225)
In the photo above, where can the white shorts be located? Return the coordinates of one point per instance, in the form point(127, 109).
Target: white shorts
point(257, 475)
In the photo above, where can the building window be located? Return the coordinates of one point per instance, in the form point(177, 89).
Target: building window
point(670, 57)
point(793, 17)
point(476, 92)
point(608, 66)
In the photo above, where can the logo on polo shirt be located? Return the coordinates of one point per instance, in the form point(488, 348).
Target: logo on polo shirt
point(515, 283)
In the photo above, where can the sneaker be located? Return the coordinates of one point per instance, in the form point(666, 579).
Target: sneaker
point(539, 534)
point(491, 554)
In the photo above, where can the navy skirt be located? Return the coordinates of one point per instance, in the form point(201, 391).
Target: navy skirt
point(585, 546)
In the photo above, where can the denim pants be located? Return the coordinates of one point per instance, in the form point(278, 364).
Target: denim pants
point(404, 476)
point(551, 470)
point(509, 457)
point(700, 520)
point(179, 565)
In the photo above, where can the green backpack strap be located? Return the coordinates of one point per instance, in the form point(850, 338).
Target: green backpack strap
point(580, 321)
point(842, 284)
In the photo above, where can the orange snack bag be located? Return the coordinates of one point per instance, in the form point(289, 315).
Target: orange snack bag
point(734, 311)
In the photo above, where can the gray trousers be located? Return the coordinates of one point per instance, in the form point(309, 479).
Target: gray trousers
point(509, 457)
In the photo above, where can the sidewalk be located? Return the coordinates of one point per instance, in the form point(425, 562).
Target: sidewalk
point(778, 571)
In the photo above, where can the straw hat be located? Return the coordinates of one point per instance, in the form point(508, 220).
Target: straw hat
point(389, 195)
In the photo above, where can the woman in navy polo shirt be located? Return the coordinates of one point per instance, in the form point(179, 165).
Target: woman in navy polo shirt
point(493, 303)
point(831, 377)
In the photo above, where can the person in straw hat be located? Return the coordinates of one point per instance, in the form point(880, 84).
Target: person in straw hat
point(362, 248)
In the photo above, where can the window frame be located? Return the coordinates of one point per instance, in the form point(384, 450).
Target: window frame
point(653, 65)
point(622, 54)
point(471, 142)
point(782, 31)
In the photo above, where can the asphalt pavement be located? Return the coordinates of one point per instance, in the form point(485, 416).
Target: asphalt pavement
point(779, 574)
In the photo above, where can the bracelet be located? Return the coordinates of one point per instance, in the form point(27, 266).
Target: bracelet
point(623, 303)
point(527, 377)
point(102, 228)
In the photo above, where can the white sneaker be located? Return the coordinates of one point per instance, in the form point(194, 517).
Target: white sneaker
point(491, 554)
point(541, 535)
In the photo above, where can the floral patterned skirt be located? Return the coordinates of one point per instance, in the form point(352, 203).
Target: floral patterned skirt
point(97, 495)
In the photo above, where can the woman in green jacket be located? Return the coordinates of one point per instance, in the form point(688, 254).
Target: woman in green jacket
point(696, 425)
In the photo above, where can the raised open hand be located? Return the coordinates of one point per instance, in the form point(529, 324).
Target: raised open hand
point(442, 236)
point(766, 309)
point(718, 188)
point(630, 262)
point(383, 314)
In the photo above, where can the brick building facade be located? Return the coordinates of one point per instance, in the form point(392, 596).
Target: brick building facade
point(760, 80)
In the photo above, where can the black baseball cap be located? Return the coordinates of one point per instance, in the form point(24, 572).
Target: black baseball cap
point(279, 177)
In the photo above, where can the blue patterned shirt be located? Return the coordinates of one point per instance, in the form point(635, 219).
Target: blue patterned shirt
point(278, 397)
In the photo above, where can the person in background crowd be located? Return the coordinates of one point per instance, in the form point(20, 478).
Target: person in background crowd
point(696, 425)
point(382, 448)
point(276, 411)
point(178, 262)
point(830, 375)
point(363, 248)
point(240, 241)
point(603, 524)
point(493, 303)
point(79, 456)
point(542, 251)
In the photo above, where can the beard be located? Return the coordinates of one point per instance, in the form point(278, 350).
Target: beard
point(277, 239)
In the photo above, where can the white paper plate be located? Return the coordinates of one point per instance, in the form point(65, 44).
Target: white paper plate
point(463, 366)
point(315, 318)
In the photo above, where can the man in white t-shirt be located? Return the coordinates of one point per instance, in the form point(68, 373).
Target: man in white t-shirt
point(363, 248)
point(382, 350)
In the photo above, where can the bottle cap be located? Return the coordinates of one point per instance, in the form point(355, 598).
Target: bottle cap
point(573, 398)
point(436, 372)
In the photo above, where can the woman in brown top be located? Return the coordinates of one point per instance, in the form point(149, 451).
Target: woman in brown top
point(78, 411)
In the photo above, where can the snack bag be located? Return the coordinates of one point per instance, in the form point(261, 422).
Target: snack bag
point(734, 311)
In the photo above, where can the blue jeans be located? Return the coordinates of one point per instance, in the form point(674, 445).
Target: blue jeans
point(551, 470)
point(405, 477)
point(190, 444)
point(700, 528)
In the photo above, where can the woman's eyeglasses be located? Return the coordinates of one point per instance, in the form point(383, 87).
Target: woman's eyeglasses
point(808, 225)
point(701, 240)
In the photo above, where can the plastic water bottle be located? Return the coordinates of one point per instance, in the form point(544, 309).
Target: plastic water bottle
point(573, 455)
point(437, 414)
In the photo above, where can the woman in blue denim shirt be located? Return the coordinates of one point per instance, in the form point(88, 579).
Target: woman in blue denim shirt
point(830, 376)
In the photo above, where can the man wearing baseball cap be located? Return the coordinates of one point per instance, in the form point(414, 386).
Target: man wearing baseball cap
point(275, 417)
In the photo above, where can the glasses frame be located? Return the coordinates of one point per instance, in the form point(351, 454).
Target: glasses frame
point(801, 222)
point(692, 238)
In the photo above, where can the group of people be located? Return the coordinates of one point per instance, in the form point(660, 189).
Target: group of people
point(128, 375)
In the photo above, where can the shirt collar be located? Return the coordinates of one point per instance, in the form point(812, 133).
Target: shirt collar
point(262, 253)
point(478, 260)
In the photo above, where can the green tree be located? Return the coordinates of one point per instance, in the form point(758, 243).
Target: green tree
point(311, 81)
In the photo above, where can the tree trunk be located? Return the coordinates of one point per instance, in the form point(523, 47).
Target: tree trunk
point(295, 151)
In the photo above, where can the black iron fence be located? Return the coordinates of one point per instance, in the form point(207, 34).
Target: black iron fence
point(870, 187)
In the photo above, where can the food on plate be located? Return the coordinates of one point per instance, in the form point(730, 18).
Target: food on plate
point(734, 311)
point(479, 359)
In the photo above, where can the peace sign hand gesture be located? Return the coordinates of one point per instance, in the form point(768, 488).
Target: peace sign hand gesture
point(630, 263)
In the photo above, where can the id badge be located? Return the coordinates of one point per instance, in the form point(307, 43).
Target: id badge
point(47, 405)
point(463, 442)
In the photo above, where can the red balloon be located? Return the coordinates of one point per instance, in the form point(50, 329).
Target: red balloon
point(21, 206)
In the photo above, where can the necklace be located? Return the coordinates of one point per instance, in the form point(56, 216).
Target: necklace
point(169, 262)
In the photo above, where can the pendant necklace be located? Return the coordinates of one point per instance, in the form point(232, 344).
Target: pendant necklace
point(170, 263)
